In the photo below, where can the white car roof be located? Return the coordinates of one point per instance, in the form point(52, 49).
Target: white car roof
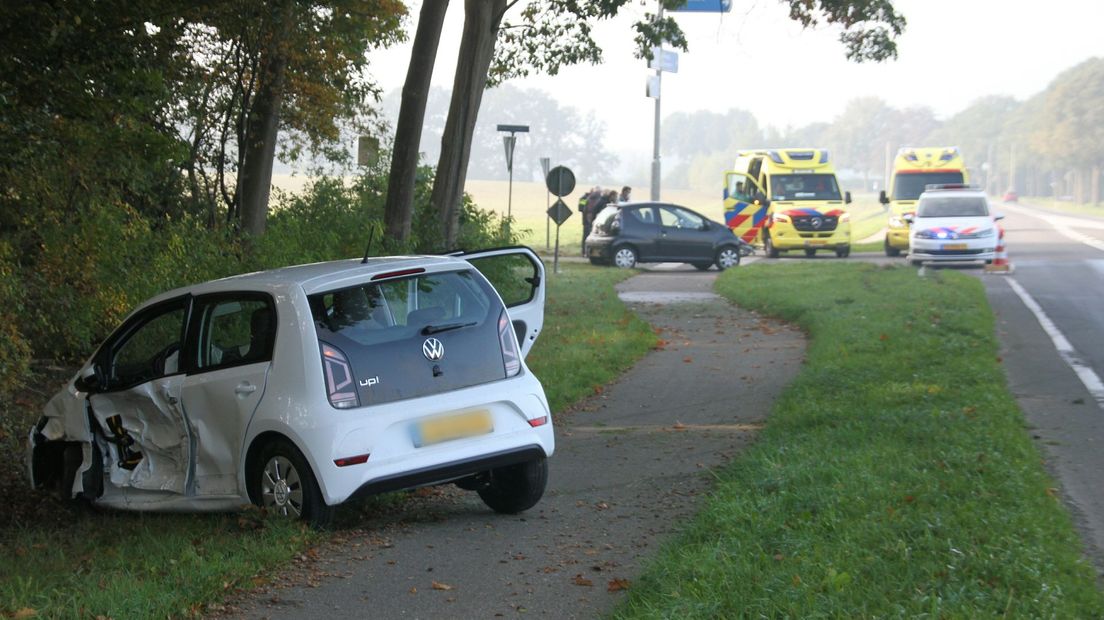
point(315, 277)
point(955, 193)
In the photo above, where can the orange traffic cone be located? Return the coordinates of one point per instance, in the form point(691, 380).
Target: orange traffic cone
point(1000, 264)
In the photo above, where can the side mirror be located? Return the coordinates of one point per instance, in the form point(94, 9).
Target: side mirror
point(847, 198)
point(998, 217)
point(90, 379)
point(882, 198)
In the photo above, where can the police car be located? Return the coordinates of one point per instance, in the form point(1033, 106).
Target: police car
point(953, 222)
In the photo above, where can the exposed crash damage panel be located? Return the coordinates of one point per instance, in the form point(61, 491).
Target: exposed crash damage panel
point(153, 426)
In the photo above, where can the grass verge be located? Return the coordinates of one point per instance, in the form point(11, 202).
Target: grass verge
point(63, 564)
point(894, 478)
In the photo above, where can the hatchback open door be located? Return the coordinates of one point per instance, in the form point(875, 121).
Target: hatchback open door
point(518, 275)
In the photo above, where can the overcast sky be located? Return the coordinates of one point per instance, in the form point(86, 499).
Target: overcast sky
point(756, 58)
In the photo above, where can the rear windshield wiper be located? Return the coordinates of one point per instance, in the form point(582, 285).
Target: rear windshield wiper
point(436, 329)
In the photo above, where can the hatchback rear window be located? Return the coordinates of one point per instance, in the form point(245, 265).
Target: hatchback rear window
point(381, 327)
point(956, 206)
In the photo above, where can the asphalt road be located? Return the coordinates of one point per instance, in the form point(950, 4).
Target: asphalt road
point(630, 466)
point(1059, 265)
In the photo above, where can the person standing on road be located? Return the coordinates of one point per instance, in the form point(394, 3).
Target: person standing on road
point(625, 194)
point(586, 209)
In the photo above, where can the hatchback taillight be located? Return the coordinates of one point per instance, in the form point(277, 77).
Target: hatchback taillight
point(340, 386)
point(510, 358)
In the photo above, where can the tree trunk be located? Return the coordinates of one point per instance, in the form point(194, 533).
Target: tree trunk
point(263, 124)
point(481, 20)
point(399, 207)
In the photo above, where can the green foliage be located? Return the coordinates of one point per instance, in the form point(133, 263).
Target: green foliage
point(893, 479)
point(14, 351)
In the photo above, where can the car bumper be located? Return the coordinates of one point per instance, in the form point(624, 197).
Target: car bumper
point(788, 238)
point(598, 247)
point(897, 238)
point(937, 250)
point(386, 435)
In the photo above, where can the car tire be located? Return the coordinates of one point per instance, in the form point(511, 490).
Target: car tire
point(515, 488)
point(625, 257)
point(281, 482)
point(727, 257)
point(702, 266)
point(890, 250)
point(810, 252)
point(768, 247)
point(843, 252)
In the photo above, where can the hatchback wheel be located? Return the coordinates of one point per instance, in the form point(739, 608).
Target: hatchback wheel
point(515, 488)
point(727, 257)
point(625, 257)
point(282, 483)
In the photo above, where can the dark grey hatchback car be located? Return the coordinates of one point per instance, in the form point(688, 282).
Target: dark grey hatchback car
point(656, 232)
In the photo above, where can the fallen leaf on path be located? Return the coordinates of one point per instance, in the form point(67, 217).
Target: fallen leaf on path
point(616, 585)
point(687, 359)
point(26, 612)
point(437, 585)
point(602, 506)
point(579, 580)
point(678, 426)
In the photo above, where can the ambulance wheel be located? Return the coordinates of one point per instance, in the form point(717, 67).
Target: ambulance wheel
point(843, 252)
point(768, 247)
point(890, 250)
point(810, 252)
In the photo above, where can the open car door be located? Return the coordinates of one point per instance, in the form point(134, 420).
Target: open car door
point(139, 407)
point(745, 206)
point(518, 275)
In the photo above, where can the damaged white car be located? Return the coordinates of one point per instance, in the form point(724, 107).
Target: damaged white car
point(299, 388)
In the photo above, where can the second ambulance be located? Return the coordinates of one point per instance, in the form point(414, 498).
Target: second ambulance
point(915, 168)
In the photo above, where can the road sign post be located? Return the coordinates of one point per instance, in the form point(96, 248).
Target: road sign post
point(508, 142)
point(561, 182)
point(545, 162)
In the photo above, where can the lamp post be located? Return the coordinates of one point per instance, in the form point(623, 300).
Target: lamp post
point(509, 142)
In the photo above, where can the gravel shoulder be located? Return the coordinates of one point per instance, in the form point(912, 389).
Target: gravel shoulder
point(629, 465)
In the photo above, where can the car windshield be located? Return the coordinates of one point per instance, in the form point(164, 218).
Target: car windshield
point(909, 186)
point(804, 187)
point(953, 206)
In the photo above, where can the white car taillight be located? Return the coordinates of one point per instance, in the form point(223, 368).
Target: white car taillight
point(510, 358)
point(340, 386)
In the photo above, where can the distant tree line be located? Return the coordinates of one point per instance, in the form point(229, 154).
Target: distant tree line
point(1049, 145)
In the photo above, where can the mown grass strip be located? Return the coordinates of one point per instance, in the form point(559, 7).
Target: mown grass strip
point(132, 565)
point(894, 478)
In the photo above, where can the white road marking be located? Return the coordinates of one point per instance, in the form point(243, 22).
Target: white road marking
point(1065, 349)
point(1061, 224)
point(1082, 237)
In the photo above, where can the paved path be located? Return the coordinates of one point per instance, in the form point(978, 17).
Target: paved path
point(629, 468)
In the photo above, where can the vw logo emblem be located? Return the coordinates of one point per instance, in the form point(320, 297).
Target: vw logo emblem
point(433, 349)
point(816, 222)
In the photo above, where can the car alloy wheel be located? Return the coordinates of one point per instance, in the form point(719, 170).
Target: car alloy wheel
point(281, 488)
point(282, 483)
point(727, 257)
point(624, 257)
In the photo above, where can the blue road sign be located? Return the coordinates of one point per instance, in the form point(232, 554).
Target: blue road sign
point(705, 6)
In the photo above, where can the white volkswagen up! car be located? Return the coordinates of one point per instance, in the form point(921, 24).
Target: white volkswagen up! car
point(953, 223)
point(299, 388)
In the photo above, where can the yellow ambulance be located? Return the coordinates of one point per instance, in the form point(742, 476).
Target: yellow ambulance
point(913, 169)
point(787, 199)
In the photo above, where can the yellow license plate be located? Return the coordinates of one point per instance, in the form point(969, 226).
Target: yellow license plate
point(815, 242)
point(954, 246)
point(452, 427)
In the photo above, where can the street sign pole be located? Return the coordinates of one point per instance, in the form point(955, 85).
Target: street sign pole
point(509, 142)
point(561, 182)
point(545, 163)
point(658, 94)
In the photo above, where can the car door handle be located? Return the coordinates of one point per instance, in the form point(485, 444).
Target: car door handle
point(245, 388)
